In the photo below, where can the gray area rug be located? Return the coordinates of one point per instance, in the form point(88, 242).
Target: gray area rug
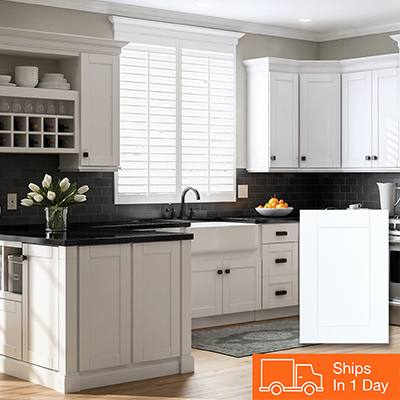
point(243, 340)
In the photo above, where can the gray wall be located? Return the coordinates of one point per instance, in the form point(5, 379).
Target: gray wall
point(362, 46)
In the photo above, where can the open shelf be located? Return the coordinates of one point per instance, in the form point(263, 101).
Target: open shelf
point(32, 132)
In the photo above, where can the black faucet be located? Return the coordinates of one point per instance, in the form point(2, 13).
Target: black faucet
point(182, 214)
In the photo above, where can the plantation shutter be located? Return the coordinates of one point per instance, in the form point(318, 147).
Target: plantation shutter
point(177, 110)
point(208, 142)
point(148, 122)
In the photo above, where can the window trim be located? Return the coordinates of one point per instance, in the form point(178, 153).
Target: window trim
point(179, 36)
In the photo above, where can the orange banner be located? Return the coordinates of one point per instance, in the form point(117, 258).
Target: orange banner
point(326, 376)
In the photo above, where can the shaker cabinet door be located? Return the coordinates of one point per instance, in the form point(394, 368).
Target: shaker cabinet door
point(284, 120)
point(319, 120)
point(105, 306)
point(356, 120)
point(385, 118)
point(344, 273)
point(41, 305)
point(99, 111)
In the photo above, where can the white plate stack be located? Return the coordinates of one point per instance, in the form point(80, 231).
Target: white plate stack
point(54, 81)
point(5, 80)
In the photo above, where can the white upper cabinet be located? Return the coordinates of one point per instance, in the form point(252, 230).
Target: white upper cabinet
point(356, 119)
point(385, 118)
point(100, 111)
point(319, 120)
point(272, 117)
point(370, 119)
point(284, 120)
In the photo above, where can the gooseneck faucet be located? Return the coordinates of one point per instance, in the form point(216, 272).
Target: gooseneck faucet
point(182, 214)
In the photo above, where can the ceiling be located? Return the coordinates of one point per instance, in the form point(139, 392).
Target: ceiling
point(330, 19)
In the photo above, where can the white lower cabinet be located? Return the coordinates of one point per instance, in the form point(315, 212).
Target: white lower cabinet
point(226, 286)
point(156, 301)
point(11, 330)
point(105, 306)
point(241, 285)
point(206, 288)
point(41, 306)
point(280, 254)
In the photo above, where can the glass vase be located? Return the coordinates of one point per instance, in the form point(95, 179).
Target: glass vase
point(56, 219)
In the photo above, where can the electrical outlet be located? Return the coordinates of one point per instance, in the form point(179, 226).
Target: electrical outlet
point(11, 201)
point(243, 191)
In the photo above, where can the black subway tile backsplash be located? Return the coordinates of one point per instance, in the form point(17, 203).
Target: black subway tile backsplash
point(300, 190)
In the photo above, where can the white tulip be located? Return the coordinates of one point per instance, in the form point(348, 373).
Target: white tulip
point(64, 185)
point(79, 198)
point(83, 189)
point(27, 202)
point(38, 198)
point(46, 182)
point(31, 194)
point(51, 195)
point(34, 187)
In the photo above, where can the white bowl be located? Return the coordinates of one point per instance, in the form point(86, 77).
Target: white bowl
point(5, 78)
point(26, 76)
point(274, 212)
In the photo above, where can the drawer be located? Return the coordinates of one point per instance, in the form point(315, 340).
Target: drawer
point(11, 332)
point(280, 259)
point(278, 233)
point(281, 291)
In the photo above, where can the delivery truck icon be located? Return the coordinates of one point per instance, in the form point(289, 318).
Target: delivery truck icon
point(284, 375)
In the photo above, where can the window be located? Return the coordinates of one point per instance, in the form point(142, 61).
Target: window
point(177, 121)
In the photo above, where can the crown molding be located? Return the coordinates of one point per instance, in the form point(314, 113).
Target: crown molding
point(153, 14)
point(56, 43)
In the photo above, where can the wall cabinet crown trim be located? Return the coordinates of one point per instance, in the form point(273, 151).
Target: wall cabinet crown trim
point(56, 43)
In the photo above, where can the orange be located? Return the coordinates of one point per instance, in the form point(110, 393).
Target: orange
point(273, 201)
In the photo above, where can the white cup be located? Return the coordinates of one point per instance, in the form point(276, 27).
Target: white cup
point(355, 206)
point(26, 76)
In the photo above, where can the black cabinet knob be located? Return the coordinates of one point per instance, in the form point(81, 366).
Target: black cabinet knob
point(280, 260)
point(228, 271)
point(303, 158)
point(273, 158)
point(219, 272)
point(281, 293)
point(374, 157)
point(85, 154)
point(281, 233)
point(368, 158)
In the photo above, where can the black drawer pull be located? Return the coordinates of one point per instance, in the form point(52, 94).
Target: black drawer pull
point(280, 292)
point(273, 158)
point(219, 272)
point(85, 154)
point(280, 260)
point(227, 271)
point(281, 233)
point(303, 158)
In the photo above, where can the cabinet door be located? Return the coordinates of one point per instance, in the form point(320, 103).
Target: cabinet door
point(11, 332)
point(40, 306)
point(206, 288)
point(241, 285)
point(99, 110)
point(156, 299)
point(386, 146)
point(344, 276)
point(356, 120)
point(319, 120)
point(105, 306)
point(284, 120)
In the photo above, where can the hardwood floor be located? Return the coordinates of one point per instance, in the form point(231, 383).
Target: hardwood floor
point(217, 377)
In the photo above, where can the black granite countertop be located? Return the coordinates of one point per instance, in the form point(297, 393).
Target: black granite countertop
point(98, 234)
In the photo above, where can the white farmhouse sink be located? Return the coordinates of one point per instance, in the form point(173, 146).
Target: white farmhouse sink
point(217, 236)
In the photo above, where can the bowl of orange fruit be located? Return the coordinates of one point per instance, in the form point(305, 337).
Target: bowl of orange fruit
point(274, 207)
